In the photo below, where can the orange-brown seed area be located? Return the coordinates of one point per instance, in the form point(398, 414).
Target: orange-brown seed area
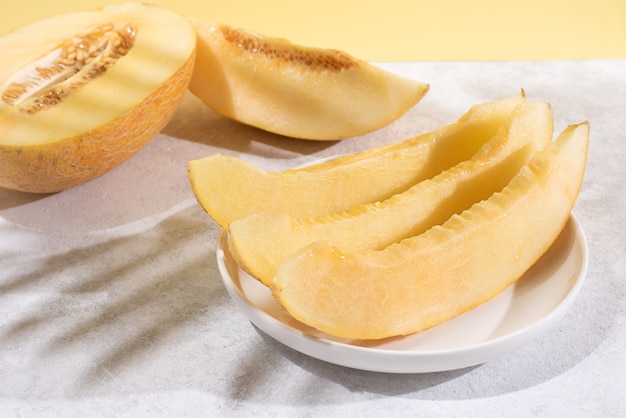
point(330, 60)
point(80, 59)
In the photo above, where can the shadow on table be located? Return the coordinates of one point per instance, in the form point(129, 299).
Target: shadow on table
point(195, 122)
point(101, 318)
point(537, 363)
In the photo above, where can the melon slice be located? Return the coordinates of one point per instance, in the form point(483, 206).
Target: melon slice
point(82, 92)
point(262, 241)
point(228, 188)
point(293, 90)
point(449, 269)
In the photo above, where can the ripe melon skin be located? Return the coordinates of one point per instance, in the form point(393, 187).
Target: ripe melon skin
point(81, 138)
point(293, 90)
point(425, 280)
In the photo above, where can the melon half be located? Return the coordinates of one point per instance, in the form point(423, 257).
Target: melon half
point(82, 92)
point(295, 90)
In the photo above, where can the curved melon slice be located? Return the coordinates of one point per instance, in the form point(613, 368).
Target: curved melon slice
point(262, 241)
point(82, 92)
point(229, 188)
point(293, 90)
point(430, 278)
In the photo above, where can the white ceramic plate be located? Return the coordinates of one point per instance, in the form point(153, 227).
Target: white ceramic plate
point(515, 317)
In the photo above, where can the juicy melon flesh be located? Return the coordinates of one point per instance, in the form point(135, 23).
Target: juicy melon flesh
point(82, 92)
point(228, 188)
point(259, 243)
point(294, 90)
point(425, 280)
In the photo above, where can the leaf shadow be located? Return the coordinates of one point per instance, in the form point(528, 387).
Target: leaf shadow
point(152, 284)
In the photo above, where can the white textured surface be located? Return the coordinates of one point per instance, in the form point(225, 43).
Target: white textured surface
point(111, 304)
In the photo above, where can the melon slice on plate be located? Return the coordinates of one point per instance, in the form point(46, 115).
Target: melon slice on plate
point(427, 279)
point(228, 188)
point(294, 90)
point(260, 242)
point(82, 92)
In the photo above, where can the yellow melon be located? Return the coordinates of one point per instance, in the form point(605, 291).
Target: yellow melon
point(432, 277)
point(260, 242)
point(228, 188)
point(294, 90)
point(82, 92)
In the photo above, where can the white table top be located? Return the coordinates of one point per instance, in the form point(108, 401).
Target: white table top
point(111, 303)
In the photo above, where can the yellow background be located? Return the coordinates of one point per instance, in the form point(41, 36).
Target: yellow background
point(420, 30)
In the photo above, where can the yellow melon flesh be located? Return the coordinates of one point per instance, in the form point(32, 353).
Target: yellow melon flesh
point(229, 188)
point(262, 241)
point(80, 93)
point(293, 90)
point(449, 269)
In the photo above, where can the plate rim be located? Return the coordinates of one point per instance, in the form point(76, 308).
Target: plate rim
point(423, 361)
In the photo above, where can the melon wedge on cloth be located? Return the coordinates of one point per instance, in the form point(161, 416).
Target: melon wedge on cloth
point(293, 90)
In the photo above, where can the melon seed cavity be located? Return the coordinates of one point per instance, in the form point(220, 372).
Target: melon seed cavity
point(47, 81)
point(327, 59)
